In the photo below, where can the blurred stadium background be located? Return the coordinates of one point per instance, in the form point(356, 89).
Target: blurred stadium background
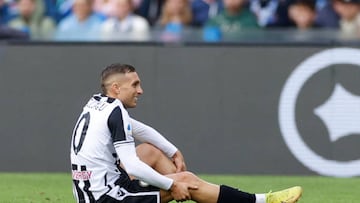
point(268, 101)
point(231, 107)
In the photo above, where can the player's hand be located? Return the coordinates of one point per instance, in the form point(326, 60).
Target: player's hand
point(179, 162)
point(180, 190)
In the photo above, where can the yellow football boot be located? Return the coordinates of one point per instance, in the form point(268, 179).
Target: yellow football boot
point(289, 195)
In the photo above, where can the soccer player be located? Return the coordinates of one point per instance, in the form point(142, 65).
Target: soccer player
point(107, 167)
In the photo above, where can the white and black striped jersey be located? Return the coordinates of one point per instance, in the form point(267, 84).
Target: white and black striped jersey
point(103, 136)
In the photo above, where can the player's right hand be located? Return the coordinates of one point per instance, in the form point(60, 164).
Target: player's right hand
point(179, 162)
point(180, 191)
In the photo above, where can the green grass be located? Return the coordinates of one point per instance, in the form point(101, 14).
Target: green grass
point(56, 187)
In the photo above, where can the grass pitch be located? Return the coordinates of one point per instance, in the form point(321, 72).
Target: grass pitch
point(56, 187)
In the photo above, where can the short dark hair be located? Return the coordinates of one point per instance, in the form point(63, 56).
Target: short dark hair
point(112, 69)
point(307, 3)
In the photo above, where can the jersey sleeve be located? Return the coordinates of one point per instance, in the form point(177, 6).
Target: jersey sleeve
point(145, 133)
point(116, 126)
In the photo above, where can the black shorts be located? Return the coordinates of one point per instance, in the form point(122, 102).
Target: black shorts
point(131, 191)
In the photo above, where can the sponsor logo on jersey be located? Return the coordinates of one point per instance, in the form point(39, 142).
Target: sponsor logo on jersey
point(81, 175)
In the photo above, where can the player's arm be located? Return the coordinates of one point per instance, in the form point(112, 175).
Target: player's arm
point(135, 167)
point(126, 151)
point(145, 133)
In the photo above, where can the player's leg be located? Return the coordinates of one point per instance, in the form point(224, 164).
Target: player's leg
point(211, 193)
point(208, 192)
point(155, 158)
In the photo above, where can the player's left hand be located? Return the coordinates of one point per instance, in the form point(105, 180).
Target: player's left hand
point(179, 162)
point(180, 191)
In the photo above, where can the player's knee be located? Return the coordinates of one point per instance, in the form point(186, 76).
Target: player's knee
point(187, 176)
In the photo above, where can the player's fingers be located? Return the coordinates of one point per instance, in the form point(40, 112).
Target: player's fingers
point(188, 196)
point(183, 197)
point(193, 187)
point(179, 162)
point(180, 166)
point(184, 166)
point(179, 169)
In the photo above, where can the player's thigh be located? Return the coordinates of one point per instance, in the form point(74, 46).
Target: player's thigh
point(155, 158)
point(149, 153)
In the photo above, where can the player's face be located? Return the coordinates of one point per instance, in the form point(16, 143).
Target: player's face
point(129, 90)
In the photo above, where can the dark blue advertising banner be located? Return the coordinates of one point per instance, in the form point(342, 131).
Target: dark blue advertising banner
point(230, 109)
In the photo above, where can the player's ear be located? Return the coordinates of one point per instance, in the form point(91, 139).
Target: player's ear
point(114, 88)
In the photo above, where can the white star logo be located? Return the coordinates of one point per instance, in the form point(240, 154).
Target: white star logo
point(340, 113)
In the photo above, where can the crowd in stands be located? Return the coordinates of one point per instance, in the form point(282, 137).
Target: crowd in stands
point(134, 19)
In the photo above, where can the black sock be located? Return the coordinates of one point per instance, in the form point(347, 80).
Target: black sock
point(232, 195)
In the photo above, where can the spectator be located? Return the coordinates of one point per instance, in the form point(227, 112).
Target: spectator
point(125, 25)
point(40, 8)
point(82, 24)
point(176, 11)
point(326, 16)
point(235, 18)
point(7, 11)
point(29, 20)
point(57, 9)
point(105, 8)
point(203, 10)
point(175, 16)
point(303, 14)
point(150, 9)
point(349, 12)
point(271, 13)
